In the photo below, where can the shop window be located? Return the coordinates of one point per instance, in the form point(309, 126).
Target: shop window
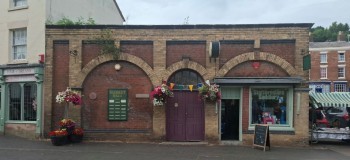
point(22, 102)
point(19, 44)
point(320, 87)
point(271, 106)
point(340, 87)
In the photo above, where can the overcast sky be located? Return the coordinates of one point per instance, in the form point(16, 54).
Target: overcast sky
point(150, 12)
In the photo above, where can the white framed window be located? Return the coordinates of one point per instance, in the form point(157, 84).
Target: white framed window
point(19, 44)
point(341, 56)
point(272, 105)
point(19, 3)
point(340, 87)
point(341, 71)
point(323, 71)
point(323, 57)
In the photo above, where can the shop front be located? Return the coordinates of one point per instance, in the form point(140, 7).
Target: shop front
point(21, 92)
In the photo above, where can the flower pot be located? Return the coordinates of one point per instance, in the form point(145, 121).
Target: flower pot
point(75, 138)
point(59, 140)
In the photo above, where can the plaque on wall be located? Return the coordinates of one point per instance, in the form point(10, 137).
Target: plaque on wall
point(117, 104)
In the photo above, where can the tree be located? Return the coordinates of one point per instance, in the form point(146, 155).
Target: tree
point(321, 34)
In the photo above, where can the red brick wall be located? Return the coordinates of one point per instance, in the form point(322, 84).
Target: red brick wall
point(60, 78)
point(194, 50)
point(231, 49)
point(90, 51)
point(105, 77)
point(141, 49)
point(281, 48)
point(332, 67)
point(245, 109)
point(265, 69)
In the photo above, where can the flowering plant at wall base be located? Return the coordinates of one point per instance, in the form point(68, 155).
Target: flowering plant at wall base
point(67, 133)
point(68, 96)
point(209, 92)
point(160, 93)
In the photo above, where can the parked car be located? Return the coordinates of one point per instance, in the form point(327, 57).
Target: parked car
point(338, 116)
point(317, 116)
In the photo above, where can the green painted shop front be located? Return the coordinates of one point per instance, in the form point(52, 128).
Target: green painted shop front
point(21, 100)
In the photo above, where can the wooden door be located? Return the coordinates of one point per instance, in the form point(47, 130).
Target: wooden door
point(185, 117)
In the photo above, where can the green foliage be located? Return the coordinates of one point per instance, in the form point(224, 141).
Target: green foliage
point(321, 34)
point(106, 40)
point(67, 22)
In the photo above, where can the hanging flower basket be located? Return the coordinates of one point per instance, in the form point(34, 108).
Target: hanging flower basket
point(209, 93)
point(160, 94)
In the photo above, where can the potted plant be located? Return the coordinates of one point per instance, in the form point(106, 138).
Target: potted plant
point(67, 124)
point(76, 136)
point(58, 137)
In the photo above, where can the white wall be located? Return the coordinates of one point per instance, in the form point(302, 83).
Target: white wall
point(32, 18)
point(101, 11)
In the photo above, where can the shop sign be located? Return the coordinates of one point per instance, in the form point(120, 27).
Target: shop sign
point(19, 71)
point(117, 104)
point(23, 78)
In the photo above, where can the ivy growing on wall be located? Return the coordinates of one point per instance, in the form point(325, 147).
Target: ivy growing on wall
point(106, 41)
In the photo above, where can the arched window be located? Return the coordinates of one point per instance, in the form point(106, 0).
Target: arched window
point(185, 77)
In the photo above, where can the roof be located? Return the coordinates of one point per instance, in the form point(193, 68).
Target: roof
point(333, 99)
point(187, 26)
point(329, 45)
point(120, 12)
point(258, 80)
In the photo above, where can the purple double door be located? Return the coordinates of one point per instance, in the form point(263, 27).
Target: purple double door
point(185, 117)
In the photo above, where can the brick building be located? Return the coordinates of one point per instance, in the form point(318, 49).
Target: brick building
point(328, 66)
point(258, 68)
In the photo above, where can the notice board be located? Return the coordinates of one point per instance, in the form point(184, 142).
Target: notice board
point(261, 136)
point(117, 104)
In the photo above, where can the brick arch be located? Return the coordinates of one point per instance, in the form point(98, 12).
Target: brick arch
point(108, 57)
point(186, 65)
point(261, 56)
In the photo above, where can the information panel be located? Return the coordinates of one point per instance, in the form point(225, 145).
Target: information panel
point(117, 104)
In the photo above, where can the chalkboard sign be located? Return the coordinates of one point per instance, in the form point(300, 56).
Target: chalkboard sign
point(117, 104)
point(261, 136)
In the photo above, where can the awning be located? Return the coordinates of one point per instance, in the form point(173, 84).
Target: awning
point(334, 99)
point(258, 80)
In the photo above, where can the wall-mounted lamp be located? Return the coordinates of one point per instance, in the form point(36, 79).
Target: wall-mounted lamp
point(117, 67)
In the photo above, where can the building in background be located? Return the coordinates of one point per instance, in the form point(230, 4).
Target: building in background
point(330, 63)
point(22, 48)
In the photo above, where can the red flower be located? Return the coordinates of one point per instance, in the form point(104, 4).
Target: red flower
point(58, 133)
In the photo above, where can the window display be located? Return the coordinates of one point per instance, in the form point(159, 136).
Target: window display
point(269, 106)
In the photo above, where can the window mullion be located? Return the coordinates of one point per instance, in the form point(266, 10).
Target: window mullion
point(22, 101)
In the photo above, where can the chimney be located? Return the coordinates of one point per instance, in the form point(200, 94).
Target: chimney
point(341, 36)
point(311, 37)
